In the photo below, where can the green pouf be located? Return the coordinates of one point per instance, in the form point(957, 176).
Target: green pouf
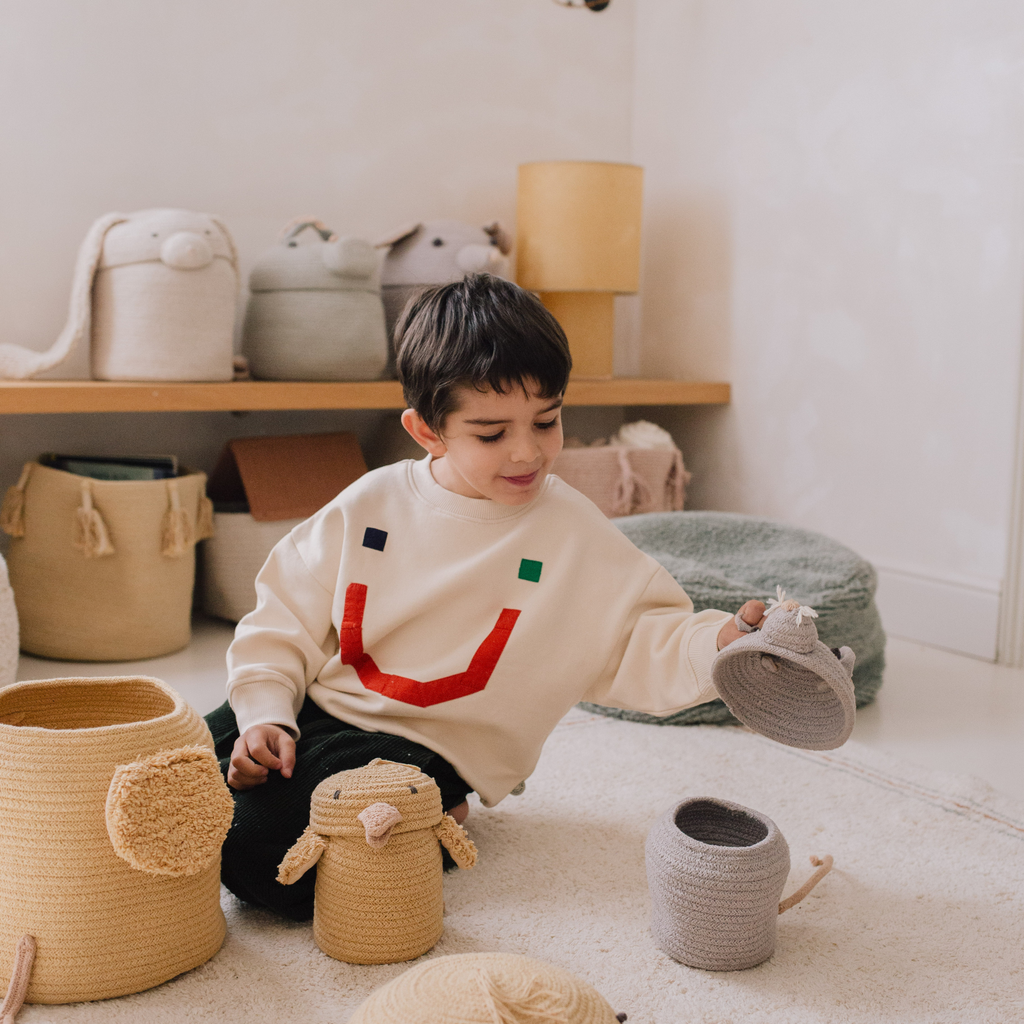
point(722, 560)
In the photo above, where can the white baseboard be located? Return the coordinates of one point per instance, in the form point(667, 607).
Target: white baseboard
point(955, 614)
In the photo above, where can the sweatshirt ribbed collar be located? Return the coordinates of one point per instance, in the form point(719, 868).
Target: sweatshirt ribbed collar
point(478, 509)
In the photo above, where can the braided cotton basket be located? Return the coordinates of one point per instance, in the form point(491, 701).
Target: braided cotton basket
point(112, 813)
point(102, 570)
point(716, 871)
point(481, 988)
point(375, 831)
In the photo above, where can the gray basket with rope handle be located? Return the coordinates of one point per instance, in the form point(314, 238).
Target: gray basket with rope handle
point(103, 570)
point(716, 871)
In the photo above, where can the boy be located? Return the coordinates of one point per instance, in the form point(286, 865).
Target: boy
point(447, 613)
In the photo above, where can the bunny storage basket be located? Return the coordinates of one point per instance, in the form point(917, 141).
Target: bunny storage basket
point(102, 570)
point(112, 814)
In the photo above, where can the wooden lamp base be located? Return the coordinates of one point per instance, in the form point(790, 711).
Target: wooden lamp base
point(588, 319)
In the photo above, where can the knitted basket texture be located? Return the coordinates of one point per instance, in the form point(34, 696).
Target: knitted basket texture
point(87, 765)
point(484, 988)
point(232, 558)
point(315, 310)
point(784, 683)
point(716, 871)
point(624, 480)
point(102, 570)
point(722, 559)
point(8, 629)
point(374, 834)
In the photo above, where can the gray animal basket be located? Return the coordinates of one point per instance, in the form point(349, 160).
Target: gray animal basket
point(716, 871)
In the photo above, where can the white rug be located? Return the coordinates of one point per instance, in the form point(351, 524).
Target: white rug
point(922, 919)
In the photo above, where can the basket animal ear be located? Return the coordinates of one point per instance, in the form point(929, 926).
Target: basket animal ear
point(308, 849)
point(169, 814)
point(220, 222)
point(454, 839)
point(19, 362)
point(398, 235)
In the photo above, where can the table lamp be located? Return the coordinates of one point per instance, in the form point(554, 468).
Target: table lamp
point(578, 246)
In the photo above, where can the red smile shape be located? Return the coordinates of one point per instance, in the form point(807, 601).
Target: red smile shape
point(412, 691)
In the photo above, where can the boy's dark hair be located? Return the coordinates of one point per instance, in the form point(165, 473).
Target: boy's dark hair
point(483, 332)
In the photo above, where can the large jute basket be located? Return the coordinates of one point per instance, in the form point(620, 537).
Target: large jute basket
point(102, 570)
point(373, 834)
point(112, 814)
point(8, 629)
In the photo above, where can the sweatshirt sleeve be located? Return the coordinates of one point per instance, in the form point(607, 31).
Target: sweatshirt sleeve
point(280, 648)
point(662, 661)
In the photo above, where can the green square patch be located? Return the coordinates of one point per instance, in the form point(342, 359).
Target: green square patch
point(530, 570)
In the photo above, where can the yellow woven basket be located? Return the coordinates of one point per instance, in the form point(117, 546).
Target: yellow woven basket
point(375, 832)
point(102, 570)
point(112, 814)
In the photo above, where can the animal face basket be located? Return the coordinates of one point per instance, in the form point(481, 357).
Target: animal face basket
point(112, 814)
point(102, 570)
point(373, 833)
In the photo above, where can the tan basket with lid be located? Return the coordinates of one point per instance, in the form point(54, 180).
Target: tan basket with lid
point(375, 832)
point(112, 814)
point(102, 570)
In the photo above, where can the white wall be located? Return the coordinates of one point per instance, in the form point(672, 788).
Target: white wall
point(366, 114)
point(834, 223)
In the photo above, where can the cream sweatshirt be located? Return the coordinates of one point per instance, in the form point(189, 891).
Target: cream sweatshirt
point(465, 625)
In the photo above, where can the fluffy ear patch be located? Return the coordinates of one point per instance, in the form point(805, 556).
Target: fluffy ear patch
point(169, 814)
point(308, 849)
point(454, 839)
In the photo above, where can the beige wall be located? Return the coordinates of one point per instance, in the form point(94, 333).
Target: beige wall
point(367, 114)
point(834, 223)
point(833, 218)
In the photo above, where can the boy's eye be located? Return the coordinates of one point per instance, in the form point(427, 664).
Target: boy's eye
point(490, 438)
point(546, 426)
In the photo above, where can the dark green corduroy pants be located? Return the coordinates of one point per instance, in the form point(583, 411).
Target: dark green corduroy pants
point(270, 817)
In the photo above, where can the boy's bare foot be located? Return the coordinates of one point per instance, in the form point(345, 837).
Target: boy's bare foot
point(459, 813)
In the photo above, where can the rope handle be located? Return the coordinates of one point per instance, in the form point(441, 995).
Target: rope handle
point(296, 226)
point(177, 532)
point(824, 865)
point(12, 512)
point(24, 956)
point(91, 535)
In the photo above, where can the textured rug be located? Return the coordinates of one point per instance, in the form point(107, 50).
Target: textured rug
point(922, 919)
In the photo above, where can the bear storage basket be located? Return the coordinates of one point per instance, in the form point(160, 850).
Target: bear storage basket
point(102, 570)
point(112, 815)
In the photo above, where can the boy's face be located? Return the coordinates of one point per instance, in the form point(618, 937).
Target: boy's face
point(493, 446)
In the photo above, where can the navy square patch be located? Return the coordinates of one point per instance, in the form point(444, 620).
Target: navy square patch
point(375, 539)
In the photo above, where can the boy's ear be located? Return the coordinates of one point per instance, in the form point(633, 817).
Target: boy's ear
point(422, 434)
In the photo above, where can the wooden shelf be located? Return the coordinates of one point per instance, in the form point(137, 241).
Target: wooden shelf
point(50, 396)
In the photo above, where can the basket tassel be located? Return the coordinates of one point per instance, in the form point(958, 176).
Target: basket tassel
point(12, 512)
point(631, 490)
point(204, 518)
point(177, 534)
point(24, 955)
point(91, 536)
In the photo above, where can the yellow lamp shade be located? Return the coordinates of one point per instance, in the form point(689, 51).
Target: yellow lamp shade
point(578, 227)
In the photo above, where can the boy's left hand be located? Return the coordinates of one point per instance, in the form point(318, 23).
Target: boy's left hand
point(752, 613)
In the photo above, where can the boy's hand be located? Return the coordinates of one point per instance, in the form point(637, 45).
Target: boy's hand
point(259, 749)
point(752, 613)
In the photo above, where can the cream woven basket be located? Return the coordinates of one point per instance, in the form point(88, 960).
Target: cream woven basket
point(102, 570)
point(112, 814)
